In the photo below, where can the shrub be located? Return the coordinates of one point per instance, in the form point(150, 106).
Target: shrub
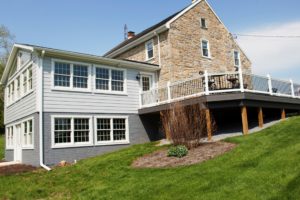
point(186, 125)
point(178, 151)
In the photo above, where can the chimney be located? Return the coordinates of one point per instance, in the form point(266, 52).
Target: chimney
point(130, 34)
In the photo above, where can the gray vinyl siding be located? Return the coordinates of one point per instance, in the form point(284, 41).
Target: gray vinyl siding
point(65, 101)
point(29, 156)
point(137, 135)
point(25, 106)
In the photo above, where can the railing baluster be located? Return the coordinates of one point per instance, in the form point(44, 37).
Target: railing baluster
point(292, 88)
point(270, 84)
point(241, 80)
point(206, 83)
point(169, 91)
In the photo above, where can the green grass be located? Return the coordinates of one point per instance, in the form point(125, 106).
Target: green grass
point(1, 147)
point(265, 165)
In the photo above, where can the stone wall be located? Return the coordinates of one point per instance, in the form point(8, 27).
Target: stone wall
point(181, 55)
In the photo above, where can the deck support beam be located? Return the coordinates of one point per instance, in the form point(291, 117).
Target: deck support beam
point(208, 124)
point(260, 117)
point(283, 114)
point(245, 120)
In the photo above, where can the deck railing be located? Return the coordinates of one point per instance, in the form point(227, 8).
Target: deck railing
point(229, 82)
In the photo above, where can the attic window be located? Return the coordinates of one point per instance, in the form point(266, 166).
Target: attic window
point(203, 23)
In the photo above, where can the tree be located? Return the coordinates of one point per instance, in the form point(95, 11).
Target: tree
point(6, 43)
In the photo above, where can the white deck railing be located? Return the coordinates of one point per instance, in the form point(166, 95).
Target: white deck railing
point(229, 82)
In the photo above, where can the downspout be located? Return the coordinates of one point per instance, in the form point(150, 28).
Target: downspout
point(41, 117)
point(159, 57)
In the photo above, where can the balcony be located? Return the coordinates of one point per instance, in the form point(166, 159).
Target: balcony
point(220, 83)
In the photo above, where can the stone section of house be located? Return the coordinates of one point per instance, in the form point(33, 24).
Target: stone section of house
point(180, 47)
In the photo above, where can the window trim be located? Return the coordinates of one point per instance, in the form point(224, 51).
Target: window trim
point(201, 24)
point(146, 50)
point(239, 57)
point(22, 131)
point(110, 91)
point(153, 82)
point(111, 117)
point(208, 48)
point(9, 147)
point(10, 100)
point(71, 87)
point(72, 143)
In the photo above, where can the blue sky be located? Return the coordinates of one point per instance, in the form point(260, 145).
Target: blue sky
point(95, 26)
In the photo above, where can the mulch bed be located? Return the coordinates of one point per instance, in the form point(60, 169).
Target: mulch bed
point(207, 151)
point(16, 169)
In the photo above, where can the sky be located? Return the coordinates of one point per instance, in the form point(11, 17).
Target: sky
point(95, 26)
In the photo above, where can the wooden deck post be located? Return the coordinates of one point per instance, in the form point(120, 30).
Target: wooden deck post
point(260, 117)
point(245, 120)
point(283, 115)
point(208, 124)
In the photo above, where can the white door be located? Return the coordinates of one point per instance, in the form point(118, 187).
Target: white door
point(146, 82)
point(17, 144)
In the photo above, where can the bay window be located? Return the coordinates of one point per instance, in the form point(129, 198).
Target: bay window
point(71, 131)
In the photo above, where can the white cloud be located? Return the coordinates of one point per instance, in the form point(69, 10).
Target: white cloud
point(274, 55)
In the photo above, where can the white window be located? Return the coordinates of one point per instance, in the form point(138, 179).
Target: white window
point(237, 58)
point(25, 89)
point(108, 79)
point(29, 71)
point(71, 131)
point(149, 50)
point(12, 92)
point(205, 48)
point(27, 130)
point(10, 137)
point(18, 87)
point(111, 130)
point(71, 75)
point(203, 23)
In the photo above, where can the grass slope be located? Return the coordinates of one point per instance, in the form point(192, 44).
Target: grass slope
point(265, 165)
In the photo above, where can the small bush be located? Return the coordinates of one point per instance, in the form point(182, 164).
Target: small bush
point(178, 151)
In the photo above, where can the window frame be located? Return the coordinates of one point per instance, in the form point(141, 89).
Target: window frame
point(239, 58)
point(152, 83)
point(147, 51)
point(203, 26)
point(71, 87)
point(208, 48)
point(110, 91)
point(9, 146)
point(12, 81)
point(111, 142)
point(31, 146)
point(72, 143)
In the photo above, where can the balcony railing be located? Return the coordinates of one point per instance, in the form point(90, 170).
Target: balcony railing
point(229, 82)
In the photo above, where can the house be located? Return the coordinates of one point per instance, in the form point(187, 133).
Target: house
point(62, 105)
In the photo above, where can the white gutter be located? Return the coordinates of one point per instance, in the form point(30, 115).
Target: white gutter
point(158, 46)
point(41, 113)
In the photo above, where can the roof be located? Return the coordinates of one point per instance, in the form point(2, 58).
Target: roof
point(46, 51)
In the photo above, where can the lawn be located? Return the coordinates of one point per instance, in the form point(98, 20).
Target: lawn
point(265, 165)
